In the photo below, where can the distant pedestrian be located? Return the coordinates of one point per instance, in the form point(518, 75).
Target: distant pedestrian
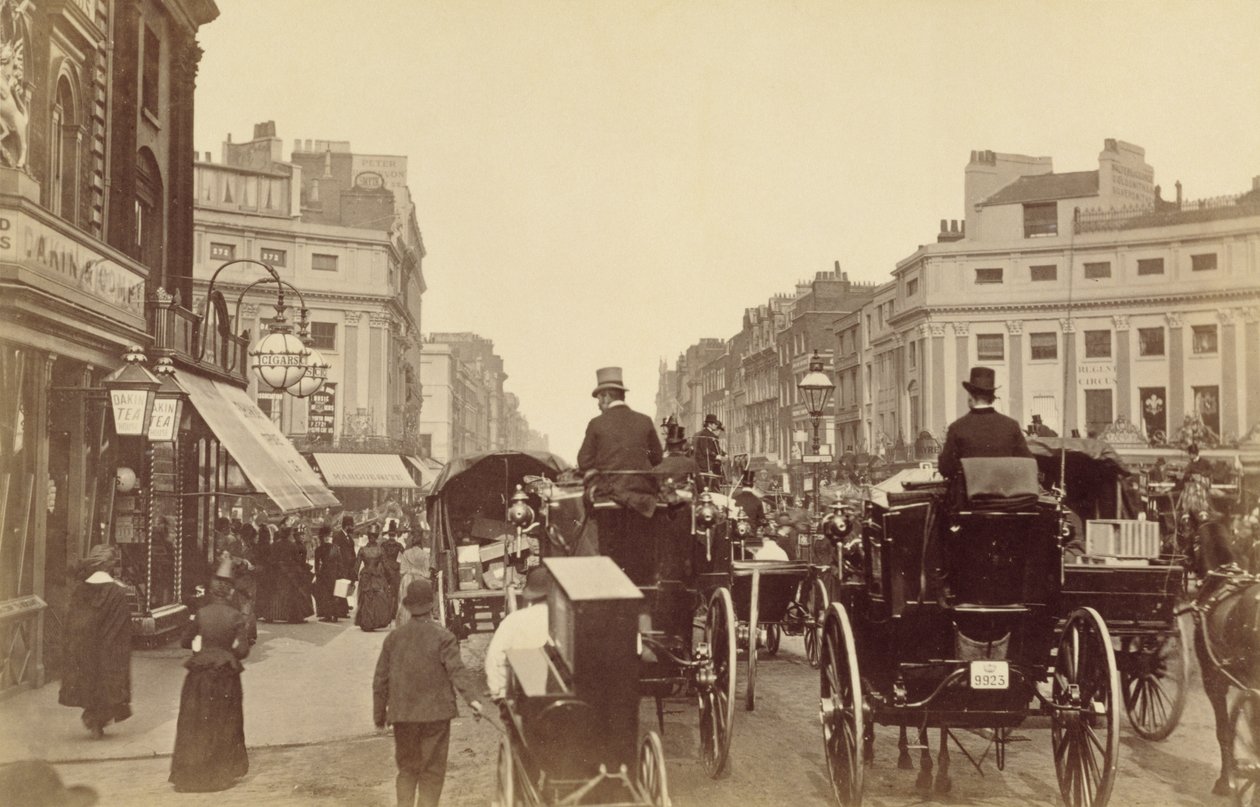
point(290, 599)
point(327, 571)
point(344, 539)
point(210, 750)
point(97, 674)
point(393, 571)
point(374, 607)
point(413, 690)
point(413, 564)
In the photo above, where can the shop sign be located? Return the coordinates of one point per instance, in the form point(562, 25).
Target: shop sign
point(1096, 375)
point(128, 406)
point(162, 422)
point(321, 414)
point(34, 245)
point(369, 181)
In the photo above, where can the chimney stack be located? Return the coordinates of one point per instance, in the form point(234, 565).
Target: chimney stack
point(1178, 186)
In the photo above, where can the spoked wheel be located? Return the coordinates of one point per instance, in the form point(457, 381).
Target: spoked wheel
point(1085, 724)
point(774, 634)
point(815, 612)
point(1244, 719)
point(1154, 678)
point(652, 780)
point(505, 777)
point(717, 699)
point(841, 707)
point(750, 686)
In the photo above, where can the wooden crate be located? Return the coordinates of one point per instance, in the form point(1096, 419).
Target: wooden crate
point(1122, 538)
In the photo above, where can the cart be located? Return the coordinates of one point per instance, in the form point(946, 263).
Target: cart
point(984, 655)
point(469, 512)
point(571, 730)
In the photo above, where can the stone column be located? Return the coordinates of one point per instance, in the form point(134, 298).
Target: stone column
point(1176, 372)
point(962, 361)
point(1070, 393)
point(350, 370)
point(1230, 422)
point(1251, 369)
point(378, 399)
point(78, 480)
point(939, 419)
point(1124, 370)
point(1015, 360)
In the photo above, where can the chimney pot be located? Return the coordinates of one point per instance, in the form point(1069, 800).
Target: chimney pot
point(944, 228)
point(1178, 186)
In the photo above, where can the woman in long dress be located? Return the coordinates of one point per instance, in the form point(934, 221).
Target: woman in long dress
point(210, 750)
point(375, 609)
point(290, 599)
point(98, 644)
point(393, 570)
point(328, 567)
point(413, 564)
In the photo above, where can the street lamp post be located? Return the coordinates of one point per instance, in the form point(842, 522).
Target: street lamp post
point(816, 386)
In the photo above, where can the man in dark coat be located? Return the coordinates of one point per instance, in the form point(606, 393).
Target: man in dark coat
point(749, 499)
point(343, 539)
point(620, 439)
point(1039, 429)
point(97, 673)
point(413, 689)
point(677, 465)
point(983, 431)
point(709, 454)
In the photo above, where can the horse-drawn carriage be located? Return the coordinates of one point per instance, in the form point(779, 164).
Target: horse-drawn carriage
point(956, 624)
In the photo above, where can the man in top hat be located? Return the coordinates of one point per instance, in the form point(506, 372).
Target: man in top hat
point(677, 465)
point(1039, 429)
point(749, 499)
point(708, 452)
point(983, 431)
point(523, 629)
point(620, 439)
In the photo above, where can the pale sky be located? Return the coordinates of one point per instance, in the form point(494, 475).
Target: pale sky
point(604, 183)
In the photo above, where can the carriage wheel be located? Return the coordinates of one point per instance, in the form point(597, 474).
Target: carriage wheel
point(717, 700)
point(750, 687)
point(505, 776)
point(815, 612)
point(652, 780)
point(774, 635)
point(1244, 719)
point(841, 707)
point(1154, 681)
point(1085, 724)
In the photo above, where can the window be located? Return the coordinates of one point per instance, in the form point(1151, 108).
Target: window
point(152, 70)
point(1203, 338)
point(1097, 271)
point(324, 335)
point(1207, 404)
point(912, 287)
point(1203, 263)
point(275, 257)
point(1045, 272)
point(1098, 412)
point(222, 252)
point(1041, 219)
point(912, 353)
point(989, 275)
point(1044, 345)
point(269, 403)
point(324, 263)
point(149, 208)
point(1154, 402)
point(1098, 345)
point(990, 347)
point(1150, 341)
point(1150, 266)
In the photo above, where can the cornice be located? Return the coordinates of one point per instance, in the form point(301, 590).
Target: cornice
point(1162, 302)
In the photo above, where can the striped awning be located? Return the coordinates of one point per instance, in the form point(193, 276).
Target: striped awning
point(364, 471)
point(427, 468)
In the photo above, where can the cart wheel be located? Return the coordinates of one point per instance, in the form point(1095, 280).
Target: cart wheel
point(1154, 679)
point(815, 613)
point(750, 687)
point(652, 779)
point(773, 635)
point(505, 779)
point(1244, 719)
point(841, 707)
point(717, 700)
point(1085, 724)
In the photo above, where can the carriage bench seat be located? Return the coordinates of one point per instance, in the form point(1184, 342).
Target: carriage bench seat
point(1001, 483)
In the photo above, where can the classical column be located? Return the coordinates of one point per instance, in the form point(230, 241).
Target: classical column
point(1251, 370)
point(939, 420)
point(1070, 393)
point(1015, 360)
point(1176, 372)
point(350, 366)
point(1230, 422)
point(1124, 370)
point(962, 361)
point(378, 400)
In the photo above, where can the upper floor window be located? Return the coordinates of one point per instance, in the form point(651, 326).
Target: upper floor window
point(912, 354)
point(1041, 219)
point(990, 347)
point(1098, 270)
point(222, 252)
point(325, 263)
point(1150, 341)
point(1098, 344)
point(1150, 266)
point(1203, 338)
point(324, 335)
point(912, 287)
point(992, 275)
point(1044, 345)
point(275, 257)
point(1045, 272)
point(152, 65)
point(1203, 263)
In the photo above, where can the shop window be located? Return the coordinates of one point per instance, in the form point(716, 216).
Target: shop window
point(152, 70)
point(1098, 344)
point(324, 263)
point(1098, 411)
point(1098, 270)
point(324, 335)
point(990, 347)
point(989, 275)
point(1044, 273)
point(1203, 339)
point(222, 252)
point(1150, 341)
point(1203, 263)
point(1150, 266)
point(275, 257)
point(1044, 346)
point(1041, 219)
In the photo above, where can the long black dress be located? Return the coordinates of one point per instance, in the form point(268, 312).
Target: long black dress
point(328, 568)
point(210, 734)
point(98, 654)
point(374, 609)
point(290, 589)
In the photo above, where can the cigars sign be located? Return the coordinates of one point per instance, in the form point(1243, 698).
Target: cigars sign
point(31, 245)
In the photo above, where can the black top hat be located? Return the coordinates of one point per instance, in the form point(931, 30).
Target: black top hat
point(748, 479)
point(981, 381)
point(607, 378)
point(1036, 419)
point(675, 434)
point(712, 420)
point(672, 420)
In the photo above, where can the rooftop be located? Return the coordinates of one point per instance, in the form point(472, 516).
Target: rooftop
point(1046, 188)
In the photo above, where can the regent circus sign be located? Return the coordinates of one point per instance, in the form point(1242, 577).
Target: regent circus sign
point(46, 251)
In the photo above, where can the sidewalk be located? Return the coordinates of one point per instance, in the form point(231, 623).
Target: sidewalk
point(307, 683)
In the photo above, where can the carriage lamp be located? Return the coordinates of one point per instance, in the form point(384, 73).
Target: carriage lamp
point(519, 513)
point(743, 527)
point(132, 390)
point(280, 358)
point(837, 526)
point(706, 513)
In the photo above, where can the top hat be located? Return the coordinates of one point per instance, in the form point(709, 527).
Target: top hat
point(35, 783)
point(1036, 419)
point(748, 479)
point(672, 420)
point(419, 598)
point(712, 419)
point(537, 582)
point(981, 381)
point(675, 434)
point(607, 378)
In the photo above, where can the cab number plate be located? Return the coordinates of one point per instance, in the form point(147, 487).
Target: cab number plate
point(990, 675)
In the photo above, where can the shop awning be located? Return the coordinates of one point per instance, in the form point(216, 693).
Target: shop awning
point(428, 469)
point(262, 451)
point(364, 471)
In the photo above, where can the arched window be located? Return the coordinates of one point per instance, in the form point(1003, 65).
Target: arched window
point(63, 154)
point(149, 211)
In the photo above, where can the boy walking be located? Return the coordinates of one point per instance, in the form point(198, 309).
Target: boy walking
point(414, 690)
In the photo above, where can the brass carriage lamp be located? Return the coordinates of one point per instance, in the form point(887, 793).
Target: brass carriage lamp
point(280, 358)
point(168, 406)
point(519, 513)
point(132, 390)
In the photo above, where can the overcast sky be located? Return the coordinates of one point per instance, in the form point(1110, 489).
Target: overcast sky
point(603, 183)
